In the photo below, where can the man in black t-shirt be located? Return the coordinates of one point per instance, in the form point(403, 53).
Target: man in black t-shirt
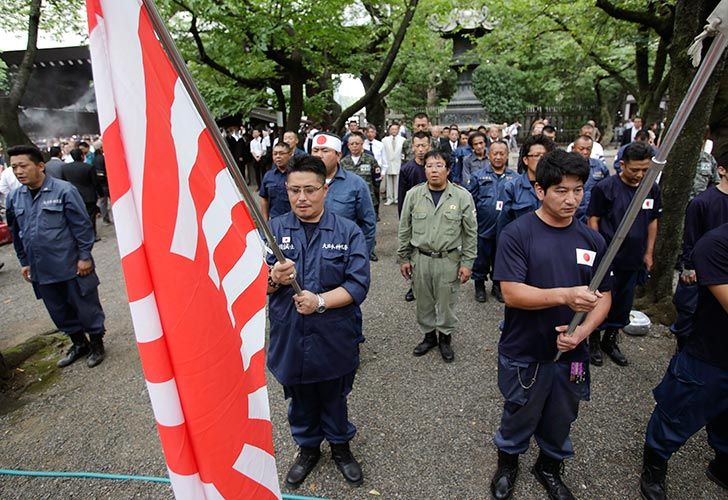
point(608, 205)
point(694, 391)
point(544, 261)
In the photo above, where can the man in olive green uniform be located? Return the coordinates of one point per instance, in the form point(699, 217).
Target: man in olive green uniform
point(363, 164)
point(438, 234)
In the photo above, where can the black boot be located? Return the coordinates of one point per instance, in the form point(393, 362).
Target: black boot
point(346, 463)
point(305, 462)
point(496, 292)
point(718, 470)
point(548, 472)
point(480, 295)
point(97, 350)
point(427, 343)
point(409, 296)
point(79, 349)
point(446, 348)
point(595, 350)
point(611, 349)
point(654, 472)
point(501, 487)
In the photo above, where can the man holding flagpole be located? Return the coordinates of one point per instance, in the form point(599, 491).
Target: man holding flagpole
point(315, 335)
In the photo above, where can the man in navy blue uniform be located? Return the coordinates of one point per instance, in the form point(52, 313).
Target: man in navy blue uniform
point(518, 196)
point(485, 186)
point(476, 161)
point(348, 194)
point(607, 207)
point(53, 238)
point(544, 261)
point(706, 211)
point(273, 195)
point(315, 336)
point(692, 394)
point(598, 171)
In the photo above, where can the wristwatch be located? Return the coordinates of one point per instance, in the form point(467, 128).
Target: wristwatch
point(321, 303)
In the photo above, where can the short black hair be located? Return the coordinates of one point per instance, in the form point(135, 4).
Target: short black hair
point(308, 163)
point(31, 151)
point(421, 115)
point(533, 140)
point(556, 164)
point(82, 143)
point(584, 138)
point(637, 151)
point(641, 135)
point(438, 154)
point(421, 134)
point(501, 142)
point(358, 134)
point(474, 135)
point(282, 145)
point(76, 154)
point(549, 128)
point(722, 160)
point(54, 152)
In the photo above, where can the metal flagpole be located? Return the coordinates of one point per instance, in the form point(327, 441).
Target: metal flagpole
point(718, 25)
point(179, 65)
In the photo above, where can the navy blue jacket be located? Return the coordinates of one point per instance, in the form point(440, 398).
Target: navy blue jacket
point(517, 198)
point(349, 196)
point(598, 171)
point(273, 189)
point(52, 232)
point(485, 186)
point(325, 346)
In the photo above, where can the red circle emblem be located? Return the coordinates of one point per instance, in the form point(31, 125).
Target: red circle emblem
point(321, 139)
point(587, 257)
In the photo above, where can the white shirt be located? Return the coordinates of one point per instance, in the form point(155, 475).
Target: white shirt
point(597, 151)
point(8, 181)
point(376, 148)
point(256, 148)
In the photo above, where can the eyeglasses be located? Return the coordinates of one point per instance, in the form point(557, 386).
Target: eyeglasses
point(308, 190)
point(435, 165)
point(537, 155)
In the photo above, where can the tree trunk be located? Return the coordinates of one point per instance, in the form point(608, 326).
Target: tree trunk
point(10, 104)
point(4, 369)
point(682, 161)
point(10, 130)
point(295, 104)
point(719, 119)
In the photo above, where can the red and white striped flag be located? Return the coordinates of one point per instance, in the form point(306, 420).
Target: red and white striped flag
point(193, 263)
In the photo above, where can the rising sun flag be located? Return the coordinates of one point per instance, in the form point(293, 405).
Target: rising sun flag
point(193, 264)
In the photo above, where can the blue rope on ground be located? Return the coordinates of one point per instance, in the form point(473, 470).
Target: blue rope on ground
point(116, 477)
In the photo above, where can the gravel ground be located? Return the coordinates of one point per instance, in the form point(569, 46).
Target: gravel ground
point(425, 427)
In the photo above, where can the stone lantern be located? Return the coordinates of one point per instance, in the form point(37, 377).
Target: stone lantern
point(463, 26)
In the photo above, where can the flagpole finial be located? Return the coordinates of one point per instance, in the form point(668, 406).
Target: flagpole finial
point(717, 23)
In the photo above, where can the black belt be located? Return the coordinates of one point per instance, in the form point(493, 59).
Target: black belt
point(437, 255)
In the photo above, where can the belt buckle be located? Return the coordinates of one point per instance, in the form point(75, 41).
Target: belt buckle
point(437, 255)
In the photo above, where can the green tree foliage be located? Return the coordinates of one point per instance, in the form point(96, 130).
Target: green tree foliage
point(500, 90)
point(261, 44)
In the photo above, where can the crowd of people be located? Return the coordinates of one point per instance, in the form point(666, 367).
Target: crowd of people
point(537, 230)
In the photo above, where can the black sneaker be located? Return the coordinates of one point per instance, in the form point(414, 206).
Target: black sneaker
point(79, 349)
point(548, 472)
point(501, 486)
point(346, 463)
point(303, 465)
